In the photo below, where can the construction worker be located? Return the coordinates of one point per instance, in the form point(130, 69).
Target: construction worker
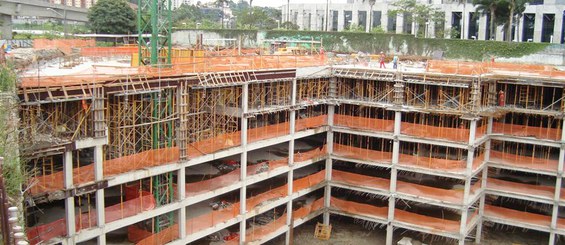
point(382, 61)
point(501, 98)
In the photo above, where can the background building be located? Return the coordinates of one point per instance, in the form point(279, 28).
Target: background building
point(542, 21)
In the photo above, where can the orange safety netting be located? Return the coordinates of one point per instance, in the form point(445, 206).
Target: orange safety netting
point(526, 131)
point(437, 163)
point(361, 154)
point(364, 123)
point(108, 51)
point(195, 65)
point(228, 140)
point(525, 189)
point(512, 215)
point(481, 131)
point(523, 161)
point(81, 175)
point(446, 195)
point(311, 122)
point(351, 207)
point(256, 233)
point(433, 132)
point(215, 217)
point(65, 45)
point(207, 146)
point(136, 202)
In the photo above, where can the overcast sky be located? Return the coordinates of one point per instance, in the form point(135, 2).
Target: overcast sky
point(278, 3)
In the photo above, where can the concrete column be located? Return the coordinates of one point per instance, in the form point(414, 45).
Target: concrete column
point(393, 177)
point(399, 23)
point(557, 27)
point(447, 24)
point(557, 193)
point(355, 15)
point(538, 26)
point(483, 28)
point(431, 30)
point(340, 20)
point(468, 177)
point(98, 176)
point(69, 201)
point(520, 29)
point(181, 189)
point(329, 146)
point(243, 163)
point(464, 22)
point(6, 29)
point(384, 19)
point(290, 177)
point(484, 183)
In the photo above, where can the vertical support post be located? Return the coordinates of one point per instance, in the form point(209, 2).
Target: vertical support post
point(181, 190)
point(243, 162)
point(484, 177)
point(329, 165)
point(468, 177)
point(6, 28)
point(393, 176)
point(538, 26)
point(69, 201)
point(98, 176)
point(290, 179)
point(557, 194)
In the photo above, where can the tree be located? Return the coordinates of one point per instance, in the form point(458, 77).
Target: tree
point(372, 4)
point(517, 8)
point(258, 18)
point(112, 17)
point(492, 8)
point(221, 4)
point(420, 13)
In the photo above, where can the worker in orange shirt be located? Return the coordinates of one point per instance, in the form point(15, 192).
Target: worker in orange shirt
point(501, 98)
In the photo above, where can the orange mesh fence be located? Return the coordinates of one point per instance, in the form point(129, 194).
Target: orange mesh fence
point(311, 154)
point(359, 208)
point(361, 154)
point(311, 122)
point(432, 163)
point(364, 123)
point(446, 195)
point(360, 180)
point(308, 209)
point(517, 216)
point(81, 175)
point(523, 161)
point(214, 144)
point(495, 68)
point(216, 217)
point(213, 183)
point(428, 131)
point(108, 51)
point(271, 165)
point(267, 132)
point(308, 181)
point(429, 222)
point(65, 45)
point(526, 131)
point(144, 201)
point(481, 131)
point(526, 189)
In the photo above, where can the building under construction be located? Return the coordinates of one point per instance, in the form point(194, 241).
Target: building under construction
point(247, 148)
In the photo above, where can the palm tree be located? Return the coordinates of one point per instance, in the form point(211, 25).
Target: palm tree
point(488, 7)
point(371, 3)
point(517, 8)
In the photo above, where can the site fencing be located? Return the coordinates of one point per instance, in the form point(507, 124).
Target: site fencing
point(526, 131)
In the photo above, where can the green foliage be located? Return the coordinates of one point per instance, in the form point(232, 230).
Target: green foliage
point(187, 16)
point(7, 78)
point(378, 30)
point(112, 17)
point(408, 44)
point(417, 12)
point(355, 28)
point(257, 18)
point(290, 26)
point(12, 170)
